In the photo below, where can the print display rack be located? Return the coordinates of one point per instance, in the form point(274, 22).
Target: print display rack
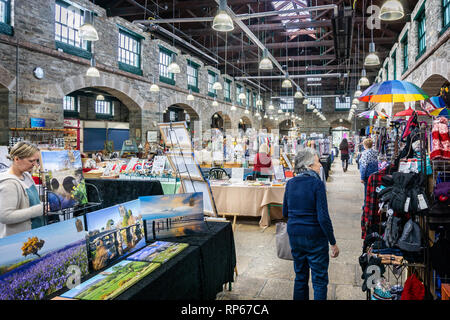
point(63, 214)
point(182, 160)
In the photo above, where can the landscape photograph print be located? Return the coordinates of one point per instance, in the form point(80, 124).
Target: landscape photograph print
point(173, 215)
point(112, 282)
point(63, 176)
point(114, 232)
point(34, 264)
point(158, 251)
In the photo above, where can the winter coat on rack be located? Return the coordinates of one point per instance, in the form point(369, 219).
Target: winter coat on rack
point(441, 140)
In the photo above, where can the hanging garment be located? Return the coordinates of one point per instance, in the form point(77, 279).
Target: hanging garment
point(413, 289)
point(441, 140)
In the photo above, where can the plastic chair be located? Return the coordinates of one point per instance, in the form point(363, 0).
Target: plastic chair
point(217, 174)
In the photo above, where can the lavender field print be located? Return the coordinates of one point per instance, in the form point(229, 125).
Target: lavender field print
point(34, 264)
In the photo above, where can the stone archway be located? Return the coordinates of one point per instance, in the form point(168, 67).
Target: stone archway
point(7, 90)
point(122, 90)
point(337, 123)
point(433, 84)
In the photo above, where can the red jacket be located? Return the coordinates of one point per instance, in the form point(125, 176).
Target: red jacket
point(262, 160)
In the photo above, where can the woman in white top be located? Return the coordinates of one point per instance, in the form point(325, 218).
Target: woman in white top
point(19, 197)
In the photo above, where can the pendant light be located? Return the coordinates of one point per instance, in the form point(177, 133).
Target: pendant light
point(233, 107)
point(217, 86)
point(190, 97)
point(246, 111)
point(215, 103)
point(87, 31)
point(286, 82)
point(298, 94)
point(391, 10)
point(355, 101)
point(242, 96)
point(372, 58)
point(265, 63)
point(154, 87)
point(364, 82)
point(358, 92)
point(265, 116)
point(173, 66)
point(222, 21)
point(271, 117)
point(271, 107)
point(92, 71)
point(100, 97)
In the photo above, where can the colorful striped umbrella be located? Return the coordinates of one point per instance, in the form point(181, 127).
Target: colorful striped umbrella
point(437, 102)
point(441, 112)
point(373, 114)
point(393, 91)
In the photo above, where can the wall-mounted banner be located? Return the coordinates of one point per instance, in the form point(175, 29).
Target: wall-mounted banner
point(37, 122)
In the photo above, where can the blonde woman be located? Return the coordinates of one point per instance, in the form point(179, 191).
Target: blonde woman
point(262, 164)
point(19, 197)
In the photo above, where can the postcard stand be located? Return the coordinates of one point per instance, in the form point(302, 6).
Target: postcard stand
point(67, 213)
point(178, 148)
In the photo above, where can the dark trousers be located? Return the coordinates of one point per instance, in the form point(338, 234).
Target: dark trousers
point(345, 164)
point(310, 252)
point(365, 193)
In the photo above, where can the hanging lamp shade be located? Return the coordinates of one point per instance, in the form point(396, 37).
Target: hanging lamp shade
point(233, 108)
point(217, 86)
point(372, 58)
point(92, 71)
point(280, 111)
point(358, 92)
point(190, 97)
point(271, 117)
point(222, 21)
point(298, 95)
point(271, 107)
point(306, 101)
point(242, 96)
point(173, 66)
point(87, 31)
point(215, 103)
point(154, 88)
point(391, 10)
point(265, 63)
point(286, 82)
point(355, 101)
point(100, 97)
point(246, 111)
point(259, 102)
point(257, 114)
point(265, 116)
point(363, 82)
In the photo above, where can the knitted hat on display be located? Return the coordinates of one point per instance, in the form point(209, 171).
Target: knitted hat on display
point(411, 237)
point(414, 289)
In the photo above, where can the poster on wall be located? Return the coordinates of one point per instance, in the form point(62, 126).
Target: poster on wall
point(63, 176)
point(5, 163)
point(35, 263)
point(114, 232)
point(172, 215)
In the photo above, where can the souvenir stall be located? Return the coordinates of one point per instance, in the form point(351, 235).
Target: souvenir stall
point(406, 214)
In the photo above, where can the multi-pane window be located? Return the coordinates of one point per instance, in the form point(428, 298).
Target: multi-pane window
point(212, 77)
point(69, 104)
point(287, 103)
point(342, 105)
point(254, 100)
point(165, 58)
point(67, 22)
point(317, 101)
point(247, 98)
point(192, 75)
point(405, 52)
point(421, 33)
point(4, 11)
point(446, 13)
point(394, 64)
point(386, 69)
point(238, 91)
point(104, 107)
point(129, 49)
point(227, 90)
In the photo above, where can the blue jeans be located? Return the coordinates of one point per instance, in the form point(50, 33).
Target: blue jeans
point(310, 252)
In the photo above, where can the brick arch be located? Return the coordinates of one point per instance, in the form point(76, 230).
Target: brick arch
point(194, 108)
point(120, 89)
point(345, 123)
point(433, 84)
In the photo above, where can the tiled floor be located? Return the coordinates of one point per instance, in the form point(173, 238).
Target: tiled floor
point(262, 275)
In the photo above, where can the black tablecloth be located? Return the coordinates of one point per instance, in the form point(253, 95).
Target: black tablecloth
point(118, 191)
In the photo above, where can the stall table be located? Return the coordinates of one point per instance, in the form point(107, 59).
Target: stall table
point(247, 200)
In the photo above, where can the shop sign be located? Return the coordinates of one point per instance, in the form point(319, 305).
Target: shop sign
point(70, 123)
point(37, 123)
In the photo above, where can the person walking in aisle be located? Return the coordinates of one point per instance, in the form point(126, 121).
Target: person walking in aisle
point(368, 163)
point(309, 226)
point(343, 147)
point(351, 150)
point(19, 197)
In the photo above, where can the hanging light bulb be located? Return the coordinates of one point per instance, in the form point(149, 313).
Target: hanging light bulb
point(286, 82)
point(246, 111)
point(364, 82)
point(87, 31)
point(372, 58)
point(190, 97)
point(257, 113)
point(233, 107)
point(271, 107)
point(217, 86)
point(358, 92)
point(280, 111)
point(173, 66)
point(298, 94)
point(100, 97)
point(259, 102)
point(92, 71)
point(154, 88)
point(271, 117)
point(222, 21)
point(265, 116)
point(265, 63)
point(242, 96)
point(391, 10)
point(215, 103)
point(355, 101)
point(306, 101)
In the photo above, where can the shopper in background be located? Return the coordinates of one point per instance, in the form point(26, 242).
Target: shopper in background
point(262, 164)
point(309, 226)
point(343, 147)
point(351, 150)
point(368, 163)
point(19, 197)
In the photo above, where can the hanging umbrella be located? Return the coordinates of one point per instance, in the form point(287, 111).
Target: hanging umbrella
point(409, 112)
point(372, 114)
point(393, 91)
point(441, 112)
point(437, 102)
